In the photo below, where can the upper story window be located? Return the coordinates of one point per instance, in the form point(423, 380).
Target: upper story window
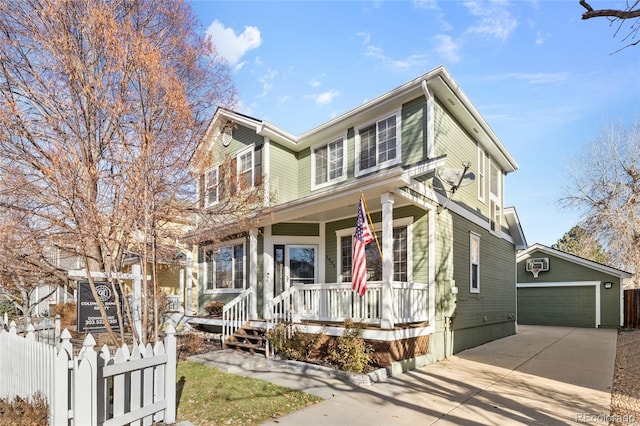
point(328, 163)
point(481, 173)
point(378, 144)
point(245, 168)
point(495, 197)
point(211, 192)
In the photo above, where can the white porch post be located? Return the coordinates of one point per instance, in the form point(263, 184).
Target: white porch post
point(188, 271)
point(253, 272)
point(268, 277)
point(387, 321)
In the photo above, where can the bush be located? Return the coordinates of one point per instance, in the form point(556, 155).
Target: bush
point(299, 346)
point(351, 352)
point(24, 412)
point(214, 308)
point(348, 352)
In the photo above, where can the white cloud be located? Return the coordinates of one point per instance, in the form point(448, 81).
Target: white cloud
point(494, 19)
point(314, 82)
point(411, 61)
point(325, 98)
point(426, 4)
point(233, 46)
point(447, 47)
point(366, 37)
point(267, 81)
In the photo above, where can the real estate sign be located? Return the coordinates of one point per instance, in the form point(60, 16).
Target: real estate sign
point(89, 316)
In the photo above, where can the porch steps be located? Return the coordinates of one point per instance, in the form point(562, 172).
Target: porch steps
point(249, 339)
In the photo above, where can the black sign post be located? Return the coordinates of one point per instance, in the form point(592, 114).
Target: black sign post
point(89, 316)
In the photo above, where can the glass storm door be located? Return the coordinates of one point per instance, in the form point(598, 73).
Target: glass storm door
point(302, 264)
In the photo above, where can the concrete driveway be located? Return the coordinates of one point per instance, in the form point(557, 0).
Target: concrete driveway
point(540, 376)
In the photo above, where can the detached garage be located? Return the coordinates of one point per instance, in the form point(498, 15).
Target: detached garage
point(556, 288)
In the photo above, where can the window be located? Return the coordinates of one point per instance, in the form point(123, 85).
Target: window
point(211, 187)
point(481, 173)
point(374, 262)
point(224, 267)
point(495, 205)
point(245, 169)
point(474, 263)
point(328, 163)
point(378, 144)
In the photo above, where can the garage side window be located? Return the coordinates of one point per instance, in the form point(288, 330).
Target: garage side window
point(474, 263)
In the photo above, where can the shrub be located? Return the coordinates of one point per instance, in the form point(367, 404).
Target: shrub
point(299, 346)
point(350, 352)
point(24, 412)
point(214, 308)
point(189, 344)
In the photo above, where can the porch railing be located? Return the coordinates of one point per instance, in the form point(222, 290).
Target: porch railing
point(338, 302)
point(236, 313)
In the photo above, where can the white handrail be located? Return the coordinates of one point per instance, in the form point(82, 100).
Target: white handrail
point(236, 313)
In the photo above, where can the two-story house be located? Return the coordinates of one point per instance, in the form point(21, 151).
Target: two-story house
point(432, 173)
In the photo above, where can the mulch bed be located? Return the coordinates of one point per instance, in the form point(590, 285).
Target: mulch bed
point(625, 392)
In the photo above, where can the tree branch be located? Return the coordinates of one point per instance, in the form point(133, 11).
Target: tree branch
point(613, 13)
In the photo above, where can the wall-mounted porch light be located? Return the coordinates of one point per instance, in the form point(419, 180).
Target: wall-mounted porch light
point(608, 285)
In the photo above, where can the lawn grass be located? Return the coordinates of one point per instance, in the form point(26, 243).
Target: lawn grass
point(208, 396)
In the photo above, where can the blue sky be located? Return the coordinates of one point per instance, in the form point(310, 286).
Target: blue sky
point(546, 81)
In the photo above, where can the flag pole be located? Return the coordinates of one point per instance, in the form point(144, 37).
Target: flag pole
point(375, 237)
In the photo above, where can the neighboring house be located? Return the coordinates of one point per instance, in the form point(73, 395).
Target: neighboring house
point(445, 279)
point(557, 288)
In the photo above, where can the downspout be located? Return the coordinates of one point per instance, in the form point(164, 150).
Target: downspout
point(430, 119)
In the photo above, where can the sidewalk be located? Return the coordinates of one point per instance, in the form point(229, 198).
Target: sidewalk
point(542, 375)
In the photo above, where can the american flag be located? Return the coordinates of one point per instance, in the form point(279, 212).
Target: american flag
point(362, 237)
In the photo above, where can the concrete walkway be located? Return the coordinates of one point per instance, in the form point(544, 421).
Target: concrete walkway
point(540, 376)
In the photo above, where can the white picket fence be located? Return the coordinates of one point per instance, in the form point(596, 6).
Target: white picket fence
point(136, 386)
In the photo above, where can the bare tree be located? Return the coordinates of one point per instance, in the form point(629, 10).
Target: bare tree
point(102, 104)
point(605, 186)
point(618, 18)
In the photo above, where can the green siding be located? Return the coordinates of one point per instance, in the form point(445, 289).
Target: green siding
point(304, 173)
point(283, 172)
point(414, 131)
point(561, 306)
point(494, 308)
point(297, 229)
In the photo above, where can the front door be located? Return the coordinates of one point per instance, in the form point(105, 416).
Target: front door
point(293, 264)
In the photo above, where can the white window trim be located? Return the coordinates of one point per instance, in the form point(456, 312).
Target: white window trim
point(250, 150)
point(205, 192)
point(482, 174)
point(229, 243)
point(497, 198)
point(404, 221)
point(329, 181)
point(386, 164)
point(473, 237)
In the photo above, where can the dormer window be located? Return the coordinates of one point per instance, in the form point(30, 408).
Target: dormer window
point(378, 144)
point(328, 163)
